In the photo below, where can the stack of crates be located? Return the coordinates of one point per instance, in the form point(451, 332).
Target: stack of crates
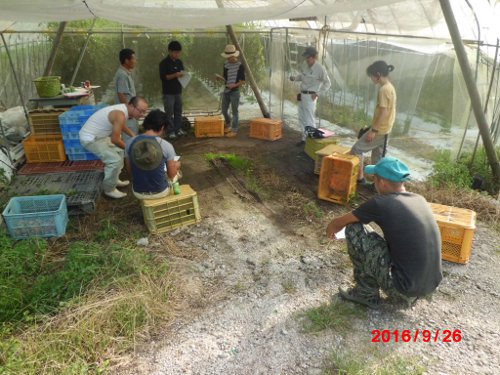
point(45, 144)
point(36, 216)
point(266, 128)
point(71, 122)
point(338, 177)
point(328, 150)
point(209, 126)
point(41, 148)
point(45, 121)
point(173, 211)
point(315, 144)
point(457, 227)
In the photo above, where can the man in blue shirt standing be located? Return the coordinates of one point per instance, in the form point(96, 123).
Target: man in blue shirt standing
point(124, 85)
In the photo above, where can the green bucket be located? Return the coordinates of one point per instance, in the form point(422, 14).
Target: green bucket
point(48, 86)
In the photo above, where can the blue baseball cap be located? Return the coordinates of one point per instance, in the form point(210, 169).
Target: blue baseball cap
point(391, 169)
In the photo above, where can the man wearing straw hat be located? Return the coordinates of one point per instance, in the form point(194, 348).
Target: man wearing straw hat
point(406, 262)
point(234, 78)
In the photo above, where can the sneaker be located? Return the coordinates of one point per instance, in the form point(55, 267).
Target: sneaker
point(227, 130)
point(353, 295)
point(181, 132)
point(301, 143)
point(116, 194)
point(231, 134)
point(172, 135)
point(124, 183)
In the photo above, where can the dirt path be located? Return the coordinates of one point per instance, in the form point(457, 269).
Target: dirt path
point(251, 268)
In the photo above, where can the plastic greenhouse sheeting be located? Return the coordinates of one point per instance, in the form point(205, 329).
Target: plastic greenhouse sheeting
point(411, 17)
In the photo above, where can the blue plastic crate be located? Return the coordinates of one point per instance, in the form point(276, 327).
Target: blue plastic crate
point(78, 115)
point(36, 216)
point(71, 136)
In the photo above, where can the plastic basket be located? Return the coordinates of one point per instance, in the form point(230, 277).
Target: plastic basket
point(37, 216)
point(457, 227)
point(44, 148)
point(45, 121)
point(338, 177)
point(328, 150)
point(208, 126)
point(48, 86)
point(172, 211)
point(266, 129)
point(316, 144)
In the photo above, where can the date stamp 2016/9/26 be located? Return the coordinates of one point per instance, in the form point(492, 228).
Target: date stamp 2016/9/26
point(418, 335)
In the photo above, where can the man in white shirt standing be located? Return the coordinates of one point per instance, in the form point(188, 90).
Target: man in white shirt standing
point(314, 79)
point(101, 135)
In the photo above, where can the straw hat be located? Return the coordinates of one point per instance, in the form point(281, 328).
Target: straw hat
point(146, 154)
point(229, 51)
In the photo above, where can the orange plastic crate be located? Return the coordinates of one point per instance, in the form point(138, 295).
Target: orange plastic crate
point(208, 126)
point(338, 177)
point(457, 227)
point(45, 121)
point(328, 150)
point(266, 128)
point(40, 148)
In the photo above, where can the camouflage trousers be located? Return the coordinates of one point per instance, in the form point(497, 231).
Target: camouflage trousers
point(371, 261)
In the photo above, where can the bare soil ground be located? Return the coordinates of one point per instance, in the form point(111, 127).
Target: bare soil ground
point(259, 259)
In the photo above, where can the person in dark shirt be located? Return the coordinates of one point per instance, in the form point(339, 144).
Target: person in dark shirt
point(171, 68)
point(406, 262)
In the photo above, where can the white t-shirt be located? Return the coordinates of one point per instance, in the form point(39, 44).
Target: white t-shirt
point(98, 125)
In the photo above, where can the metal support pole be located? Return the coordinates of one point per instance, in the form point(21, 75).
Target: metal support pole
point(248, 73)
point(15, 77)
point(471, 88)
point(82, 53)
point(55, 47)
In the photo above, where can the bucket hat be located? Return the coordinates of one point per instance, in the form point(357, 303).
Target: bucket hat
point(391, 169)
point(146, 154)
point(229, 51)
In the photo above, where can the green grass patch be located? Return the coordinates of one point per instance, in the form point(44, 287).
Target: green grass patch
point(71, 313)
point(338, 316)
point(237, 162)
point(371, 362)
point(311, 209)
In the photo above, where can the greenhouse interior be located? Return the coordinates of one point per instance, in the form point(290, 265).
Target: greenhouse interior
point(434, 110)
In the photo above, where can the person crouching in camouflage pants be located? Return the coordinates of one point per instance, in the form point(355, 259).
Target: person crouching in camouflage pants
point(406, 262)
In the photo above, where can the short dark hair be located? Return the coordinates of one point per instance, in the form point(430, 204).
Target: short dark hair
point(155, 120)
point(174, 46)
point(134, 100)
point(379, 68)
point(126, 54)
